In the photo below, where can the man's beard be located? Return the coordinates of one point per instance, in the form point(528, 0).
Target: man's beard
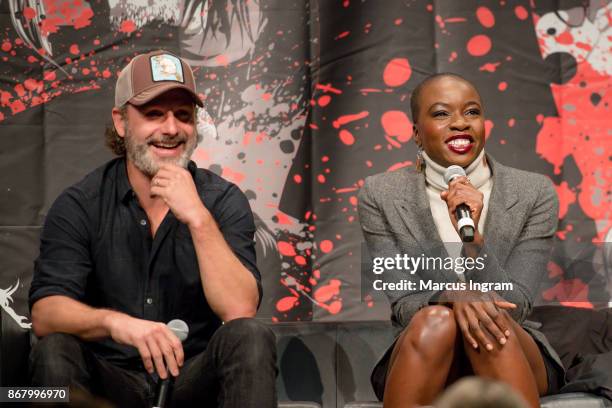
point(143, 159)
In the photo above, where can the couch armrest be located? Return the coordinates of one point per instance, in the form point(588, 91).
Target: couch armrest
point(14, 352)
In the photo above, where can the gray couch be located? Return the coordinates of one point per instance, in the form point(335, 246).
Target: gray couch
point(320, 364)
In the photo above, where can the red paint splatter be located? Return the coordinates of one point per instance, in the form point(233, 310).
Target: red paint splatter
point(335, 307)
point(479, 45)
point(33, 85)
point(326, 246)
point(321, 178)
point(397, 124)
point(49, 76)
point(19, 88)
point(582, 134)
point(455, 20)
point(285, 248)
point(488, 127)
point(346, 137)
point(565, 38)
point(74, 49)
point(397, 72)
point(585, 46)
point(106, 73)
point(324, 100)
point(287, 303)
point(6, 46)
point(128, 26)
point(521, 13)
point(485, 17)
point(234, 176)
point(400, 165)
point(84, 19)
point(297, 178)
point(17, 106)
point(326, 292)
point(511, 122)
point(283, 219)
point(29, 13)
point(300, 260)
point(398, 21)
point(569, 292)
point(502, 86)
point(328, 88)
point(343, 120)
point(554, 270)
point(342, 35)
point(566, 198)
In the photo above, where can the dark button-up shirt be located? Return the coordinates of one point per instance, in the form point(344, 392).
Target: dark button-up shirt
point(96, 247)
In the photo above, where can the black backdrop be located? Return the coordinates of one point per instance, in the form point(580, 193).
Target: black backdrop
point(305, 99)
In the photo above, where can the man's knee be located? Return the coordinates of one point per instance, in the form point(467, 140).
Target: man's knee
point(248, 328)
point(56, 347)
point(432, 327)
point(249, 338)
point(55, 357)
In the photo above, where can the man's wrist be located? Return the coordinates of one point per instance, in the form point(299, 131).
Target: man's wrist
point(108, 319)
point(201, 221)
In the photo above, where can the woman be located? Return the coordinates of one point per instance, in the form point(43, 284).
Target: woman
point(456, 331)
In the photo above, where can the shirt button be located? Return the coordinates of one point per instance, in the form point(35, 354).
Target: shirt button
point(149, 301)
point(143, 222)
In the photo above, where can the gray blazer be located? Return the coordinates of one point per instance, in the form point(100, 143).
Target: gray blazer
point(521, 223)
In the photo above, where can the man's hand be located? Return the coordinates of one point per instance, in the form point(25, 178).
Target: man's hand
point(158, 346)
point(460, 191)
point(175, 186)
point(475, 311)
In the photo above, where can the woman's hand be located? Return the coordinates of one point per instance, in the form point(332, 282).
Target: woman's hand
point(475, 311)
point(460, 191)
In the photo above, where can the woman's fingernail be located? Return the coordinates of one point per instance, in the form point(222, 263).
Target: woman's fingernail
point(507, 332)
point(489, 347)
point(502, 340)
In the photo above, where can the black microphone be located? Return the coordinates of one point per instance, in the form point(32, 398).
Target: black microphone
point(462, 212)
point(181, 330)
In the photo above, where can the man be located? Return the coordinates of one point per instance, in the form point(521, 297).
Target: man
point(145, 239)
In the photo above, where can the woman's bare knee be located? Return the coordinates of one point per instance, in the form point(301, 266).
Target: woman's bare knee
point(431, 331)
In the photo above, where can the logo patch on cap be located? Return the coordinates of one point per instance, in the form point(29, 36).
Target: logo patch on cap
point(166, 67)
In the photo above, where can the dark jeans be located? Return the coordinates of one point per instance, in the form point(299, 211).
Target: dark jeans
point(237, 369)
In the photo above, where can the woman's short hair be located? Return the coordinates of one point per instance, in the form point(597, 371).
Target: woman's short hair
point(416, 93)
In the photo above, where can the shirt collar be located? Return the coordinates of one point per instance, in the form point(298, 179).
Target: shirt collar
point(478, 172)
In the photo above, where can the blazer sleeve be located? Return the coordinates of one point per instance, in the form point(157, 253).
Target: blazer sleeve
point(381, 241)
point(527, 263)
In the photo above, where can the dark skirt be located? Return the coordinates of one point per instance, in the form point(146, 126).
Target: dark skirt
point(555, 372)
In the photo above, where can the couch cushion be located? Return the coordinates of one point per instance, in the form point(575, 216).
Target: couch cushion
point(298, 404)
point(574, 400)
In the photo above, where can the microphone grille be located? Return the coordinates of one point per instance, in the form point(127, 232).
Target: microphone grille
point(179, 328)
point(452, 172)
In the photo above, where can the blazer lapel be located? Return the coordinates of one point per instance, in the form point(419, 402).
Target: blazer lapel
point(502, 223)
point(415, 213)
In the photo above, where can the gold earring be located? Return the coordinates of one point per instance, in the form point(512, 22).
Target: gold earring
point(420, 161)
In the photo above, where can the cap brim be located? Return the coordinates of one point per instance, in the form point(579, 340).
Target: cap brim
point(149, 94)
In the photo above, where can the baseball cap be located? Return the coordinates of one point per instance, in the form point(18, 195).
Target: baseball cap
point(149, 75)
